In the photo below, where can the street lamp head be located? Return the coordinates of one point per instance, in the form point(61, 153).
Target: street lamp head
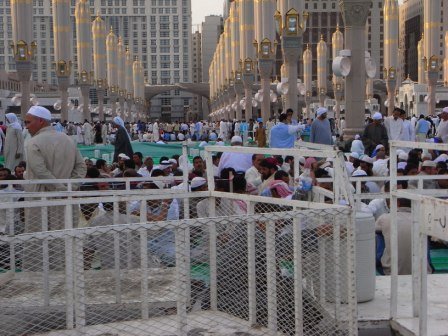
point(22, 50)
point(305, 17)
point(237, 76)
point(433, 63)
point(266, 48)
point(255, 44)
point(84, 77)
point(392, 73)
point(278, 21)
point(292, 22)
point(248, 65)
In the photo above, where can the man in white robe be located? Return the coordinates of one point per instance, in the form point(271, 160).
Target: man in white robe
point(87, 131)
point(394, 125)
point(155, 131)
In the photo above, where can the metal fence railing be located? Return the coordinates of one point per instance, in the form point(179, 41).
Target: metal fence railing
point(429, 218)
point(133, 263)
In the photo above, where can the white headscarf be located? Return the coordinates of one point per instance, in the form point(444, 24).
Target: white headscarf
point(357, 147)
point(13, 121)
point(119, 122)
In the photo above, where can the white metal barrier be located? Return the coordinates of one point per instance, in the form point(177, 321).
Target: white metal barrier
point(274, 266)
point(429, 219)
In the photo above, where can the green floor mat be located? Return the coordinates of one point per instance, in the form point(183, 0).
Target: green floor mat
point(439, 259)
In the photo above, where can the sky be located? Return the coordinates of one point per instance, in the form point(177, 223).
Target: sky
point(202, 8)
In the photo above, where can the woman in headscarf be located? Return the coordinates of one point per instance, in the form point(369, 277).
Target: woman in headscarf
point(122, 142)
point(14, 142)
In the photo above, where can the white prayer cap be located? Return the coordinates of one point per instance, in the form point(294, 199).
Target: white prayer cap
point(302, 160)
point(379, 147)
point(441, 158)
point(357, 137)
point(377, 116)
point(403, 156)
point(172, 161)
point(321, 110)
point(359, 172)
point(123, 156)
point(40, 112)
point(354, 155)
point(165, 164)
point(236, 139)
point(197, 182)
point(429, 163)
point(445, 110)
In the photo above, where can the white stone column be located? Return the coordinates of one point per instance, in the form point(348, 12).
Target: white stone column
point(84, 48)
point(322, 71)
point(337, 41)
point(23, 47)
point(354, 14)
point(99, 34)
point(431, 13)
point(391, 31)
point(308, 77)
point(62, 32)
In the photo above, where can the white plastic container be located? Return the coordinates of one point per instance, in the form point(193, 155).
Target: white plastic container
point(365, 261)
point(365, 256)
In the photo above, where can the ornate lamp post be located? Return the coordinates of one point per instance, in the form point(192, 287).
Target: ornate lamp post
point(23, 48)
point(337, 41)
point(322, 70)
point(390, 51)
point(265, 65)
point(248, 82)
point(432, 9)
point(129, 80)
point(84, 46)
point(265, 48)
point(63, 50)
point(291, 28)
point(99, 61)
point(112, 72)
point(355, 13)
point(421, 60)
point(136, 74)
point(235, 54)
point(121, 68)
point(308, 77)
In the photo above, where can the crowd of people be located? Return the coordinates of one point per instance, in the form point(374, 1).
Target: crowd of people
point(49, 153)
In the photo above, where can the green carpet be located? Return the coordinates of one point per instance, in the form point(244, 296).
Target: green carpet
point(146, 148)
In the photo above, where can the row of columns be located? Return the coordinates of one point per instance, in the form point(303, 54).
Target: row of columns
point(113, 68)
